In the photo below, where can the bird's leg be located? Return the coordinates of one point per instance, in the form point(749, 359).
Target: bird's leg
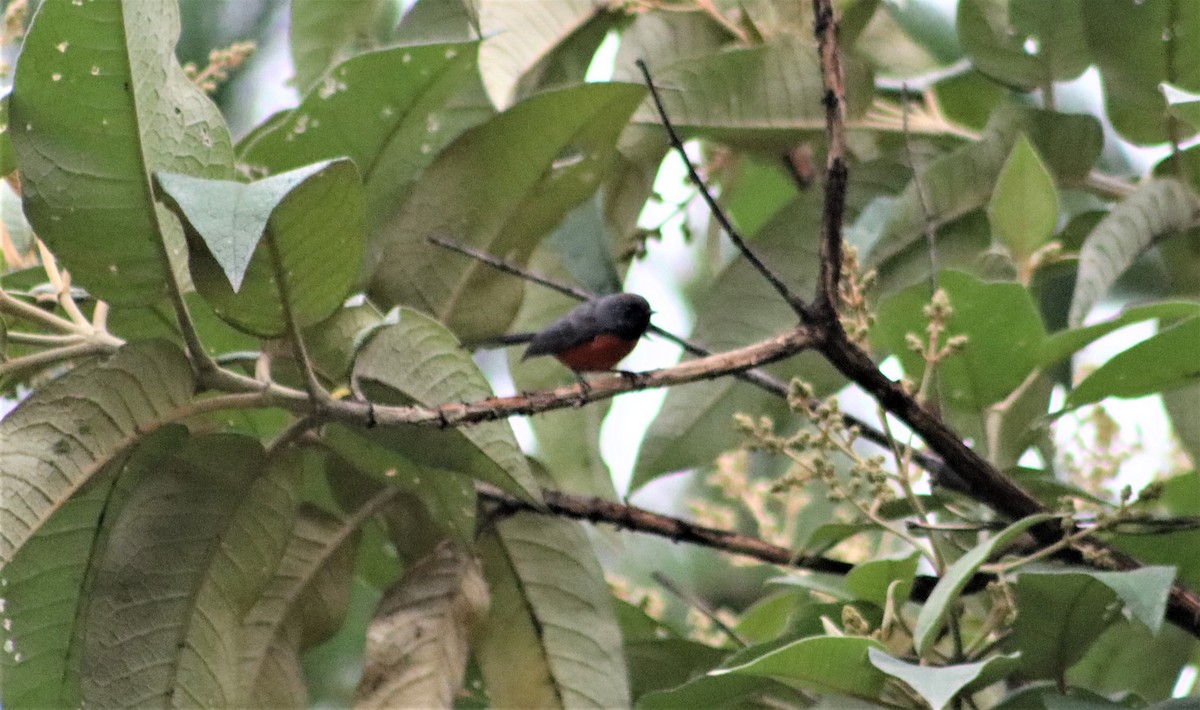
point(584, 388)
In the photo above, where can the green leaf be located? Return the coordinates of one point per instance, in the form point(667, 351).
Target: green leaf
point(870, 580)
point(552, 640)
point(320, 31)
point(500, 187)
point(663, 38)
point(938, 685)
point(753, 97)
point(1163, 361)
point(312, 217)
point(521, 33)
point(229, 216)
point(826, 664)
point(1061, 614)
point(1066, 343)
point(390, 111)
point(182, 561)
point(965, 179)
point(995, 35)
point(418, 360)
point(8, 160)
point(727, 691)
point(62, 435)
point(1129, 658)
point(107, 68)
point(950, 586)
point(448, 501)
point(1144, 591)
point(1024, 207)
point(1158, 208)
point(1001, 323)
point(303, 604)
point(1137, 47)
point(417, 644)
point(45, 589)
point(436, 21)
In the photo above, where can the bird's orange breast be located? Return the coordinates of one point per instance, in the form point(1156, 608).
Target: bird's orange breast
point(602, 352)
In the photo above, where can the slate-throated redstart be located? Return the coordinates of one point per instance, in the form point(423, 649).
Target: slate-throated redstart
point(593, 337)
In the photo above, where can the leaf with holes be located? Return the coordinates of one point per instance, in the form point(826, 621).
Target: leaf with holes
point(102, 103)
point(390, 111)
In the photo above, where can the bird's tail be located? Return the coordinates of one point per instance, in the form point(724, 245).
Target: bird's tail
point(499, 341)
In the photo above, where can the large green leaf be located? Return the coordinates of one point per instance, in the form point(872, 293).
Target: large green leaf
point(194, 538)
point(102, 103)
point(759, 96)
point(521, 33)
point(417, 645)
point(501, 187)
point(964, 180)
point(996, 34)
point(45, 591)
point(1061, 614)
point(1163, 361)
point(1138, 46)
point(57, 439)
point(303, 604)
point(418, 360)
point(1024, 208)
point(1157, 209)
point(1065, 343)
point(552, 640)
point(303, 227)
point(321, 30)
point(390, 111)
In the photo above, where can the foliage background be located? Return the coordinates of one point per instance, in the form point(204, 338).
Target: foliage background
point(259, 555)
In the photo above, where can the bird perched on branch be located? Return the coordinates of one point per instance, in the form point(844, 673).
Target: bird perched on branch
point(593, 337)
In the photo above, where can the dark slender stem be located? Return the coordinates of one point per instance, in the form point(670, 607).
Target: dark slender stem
point(316, 391)
point(635, 519)
point(796, 303)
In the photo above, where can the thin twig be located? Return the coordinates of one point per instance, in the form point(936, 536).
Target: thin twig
point(922, 200)
point(693, 600)
point(794, 301)
point(52, 356)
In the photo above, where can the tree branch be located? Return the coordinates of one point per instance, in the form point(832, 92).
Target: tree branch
point(825, 303)
point(635, 519)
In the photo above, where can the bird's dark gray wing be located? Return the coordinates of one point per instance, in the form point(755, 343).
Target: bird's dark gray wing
point(566, 332)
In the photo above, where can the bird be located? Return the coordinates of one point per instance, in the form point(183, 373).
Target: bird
point(592, 337)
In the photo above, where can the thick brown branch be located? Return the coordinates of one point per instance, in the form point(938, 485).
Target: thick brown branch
point(825, 25)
